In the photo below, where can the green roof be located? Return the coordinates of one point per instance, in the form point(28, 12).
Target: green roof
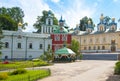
point(64, 50)
point(57, 29)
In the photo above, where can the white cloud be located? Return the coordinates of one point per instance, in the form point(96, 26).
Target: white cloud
point(76, 11)
point(55, 1)
point(32, 9)
point(72, 14)
point(115, 0)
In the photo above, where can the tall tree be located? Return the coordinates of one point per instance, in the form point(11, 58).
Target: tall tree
point(84, 23)
point(75, 46)
point(15, 13)
point(7, 23)
point(41, 20)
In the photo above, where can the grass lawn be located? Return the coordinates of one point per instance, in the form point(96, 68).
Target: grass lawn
point(22, 64)
point(31, 75)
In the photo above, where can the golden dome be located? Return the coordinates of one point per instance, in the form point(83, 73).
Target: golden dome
point(89, 22)
point(113, 19)
point(101, 18)
point(19, 24)
point(77, 25)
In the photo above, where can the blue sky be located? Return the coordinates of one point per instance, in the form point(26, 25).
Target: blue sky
point(71, 10)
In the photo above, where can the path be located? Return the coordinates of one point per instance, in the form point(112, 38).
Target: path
point(86, 70)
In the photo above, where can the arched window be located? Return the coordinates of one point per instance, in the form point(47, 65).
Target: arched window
point(6, 45)
point(98, 47)
point(41, 46)
point(19, 45)
point(49, 22)
point(85, 48)
point(101, 28)
point(113, 27)
point(94, 48)
point(89, 48)
point(103, 47)
point(113, 41)
point(30, 46)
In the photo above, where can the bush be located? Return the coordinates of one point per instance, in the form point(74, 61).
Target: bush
point(18, 71)
point(117, 68)
point(3, 76)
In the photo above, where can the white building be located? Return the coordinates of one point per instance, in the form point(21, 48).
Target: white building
point(23, 45)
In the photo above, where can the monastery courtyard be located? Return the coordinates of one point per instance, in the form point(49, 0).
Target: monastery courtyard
point(84, 70)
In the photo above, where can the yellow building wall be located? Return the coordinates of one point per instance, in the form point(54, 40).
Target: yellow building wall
point(103, 39)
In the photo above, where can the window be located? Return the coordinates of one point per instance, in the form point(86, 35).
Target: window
point(19, 45)
point(103, 47)
point(85, 48)
point(101, 28)
point(49, 22)
point(6, 45)
point(41, 46)
point(89, 48)
point(113, 41)
point(113, 27)
point(94, 48)
point(57, 37)
point(30, 46)
point(98, 47)
point(64, 38)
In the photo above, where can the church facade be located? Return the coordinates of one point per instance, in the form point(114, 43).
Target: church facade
point(105, 39)
point(24, 45)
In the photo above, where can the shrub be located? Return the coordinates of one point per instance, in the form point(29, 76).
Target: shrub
point(117, 68)
point(3, 76)
point(18, 71)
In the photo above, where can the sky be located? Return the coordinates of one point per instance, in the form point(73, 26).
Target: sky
point(71, 10)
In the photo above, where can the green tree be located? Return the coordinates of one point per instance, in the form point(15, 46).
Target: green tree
point(84, 23)
point(7, 23)
point(41, 20)
point(75, 46)
point(15, 13)
point(48, 55)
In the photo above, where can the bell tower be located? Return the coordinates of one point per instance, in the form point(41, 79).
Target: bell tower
point(49, 18)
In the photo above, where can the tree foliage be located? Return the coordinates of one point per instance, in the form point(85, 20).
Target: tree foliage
point(84, 23)
point(12, 16)
point(41, 20)
point(48, 55)
point(75, 46)
point(7, 23)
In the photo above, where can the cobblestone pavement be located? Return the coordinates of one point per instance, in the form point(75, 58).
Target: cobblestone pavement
point(85, 70)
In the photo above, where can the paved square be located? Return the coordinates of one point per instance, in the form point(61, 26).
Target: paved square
point(85, 70)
